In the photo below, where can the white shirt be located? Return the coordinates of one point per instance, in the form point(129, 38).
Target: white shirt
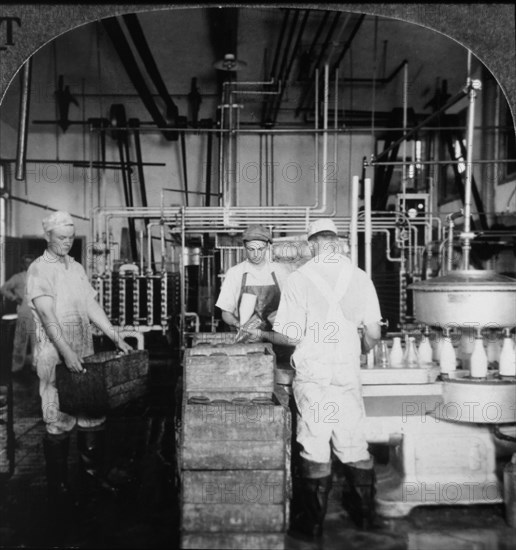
point(256, 276)
point(303, 309)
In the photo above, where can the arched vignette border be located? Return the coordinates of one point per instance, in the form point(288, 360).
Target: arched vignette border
point(488, 30)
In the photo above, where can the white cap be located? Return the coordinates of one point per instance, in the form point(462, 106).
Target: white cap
point(322, 224)
point(56, 219)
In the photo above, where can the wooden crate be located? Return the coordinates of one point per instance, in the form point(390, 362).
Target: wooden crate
point(233, 541)
point(234, 501)
point(220, 371)
point(234, 435)
point(111, 380)
point(213, 338)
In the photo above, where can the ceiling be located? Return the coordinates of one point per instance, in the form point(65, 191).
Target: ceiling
point(282, 49)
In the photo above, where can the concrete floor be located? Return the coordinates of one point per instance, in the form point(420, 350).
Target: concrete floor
point(145, 514)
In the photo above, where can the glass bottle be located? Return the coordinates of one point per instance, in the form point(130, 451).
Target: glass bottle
point(437, 345)
point(396, 355)
point(424, 352)
point(382, 355)
point(410, 357)
point(447, 358)
point(478, 359)
point(507, 361)
point(493, 349)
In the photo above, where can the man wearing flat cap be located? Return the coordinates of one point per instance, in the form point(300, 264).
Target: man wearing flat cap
point(256, 280)
point(63, 305)
point(323, 304)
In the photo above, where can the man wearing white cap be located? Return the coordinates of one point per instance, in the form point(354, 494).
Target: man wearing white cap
point(322, 306)
point(63, 305)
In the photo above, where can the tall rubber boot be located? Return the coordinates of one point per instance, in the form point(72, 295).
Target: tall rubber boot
point(313, 503)
point(55, 449)
point(92, 445)
point(360, 502)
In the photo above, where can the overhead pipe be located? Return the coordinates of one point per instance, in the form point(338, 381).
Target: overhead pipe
point(324, 47)
point(44, 206)
point(347, 45)
point(23, 119)
point(284, 77)
point(139, 40)
point(318, 33)
point(460, 95)
point(114, 31)
point(378, 81)
point(265, 105)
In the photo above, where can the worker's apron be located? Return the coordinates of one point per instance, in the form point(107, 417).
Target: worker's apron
point(327, 386)
point(267, 299)
point(70, 303)
point(267, 302)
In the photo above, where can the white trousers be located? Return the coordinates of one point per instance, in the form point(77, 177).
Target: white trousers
point(330, 417)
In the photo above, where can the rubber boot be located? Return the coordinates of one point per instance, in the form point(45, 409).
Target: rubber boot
point(312, 505)
point(92, 446)
point(360, 502)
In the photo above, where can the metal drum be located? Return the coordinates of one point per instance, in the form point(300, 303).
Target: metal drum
point(466, 298)
point(486, 401)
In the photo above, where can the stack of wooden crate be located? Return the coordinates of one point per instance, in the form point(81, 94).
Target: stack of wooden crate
point(234, 449)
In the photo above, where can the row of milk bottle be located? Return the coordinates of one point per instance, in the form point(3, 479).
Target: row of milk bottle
point(444, 353)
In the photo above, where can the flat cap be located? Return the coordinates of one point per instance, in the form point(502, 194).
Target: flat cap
point(257, 233)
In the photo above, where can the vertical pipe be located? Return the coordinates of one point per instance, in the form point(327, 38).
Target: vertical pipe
point(449, 258)
point(149, 248)
point(162, 243)
point(182, 290)
point(222, 177)
point(23, 126)
point(335, 140)
point(260, 171)
point(142, 245)
point(272, 168)
point(316, 137)
point(230, 152)
point(209, 138)
point(354, 221)
point(267, 136)
point(469, 167)
point(325, 137)
point(404, 148)
point(368, 234)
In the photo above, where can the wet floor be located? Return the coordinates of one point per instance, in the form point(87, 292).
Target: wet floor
point(145, 512)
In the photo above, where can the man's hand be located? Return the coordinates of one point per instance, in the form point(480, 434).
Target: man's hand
point(73, 361)
point(250, 332)
point(123, 346)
